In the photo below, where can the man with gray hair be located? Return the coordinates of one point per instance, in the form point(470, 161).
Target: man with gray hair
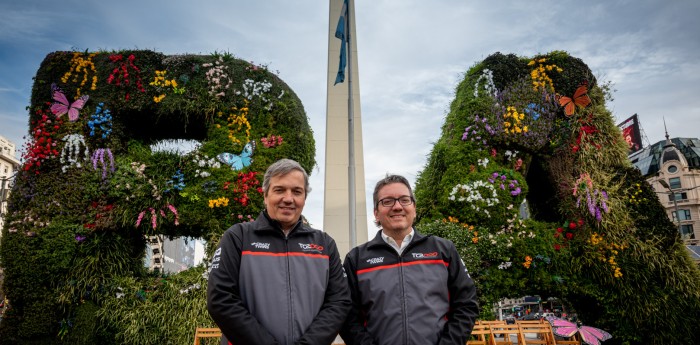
point(407, 288)
point(276, 280)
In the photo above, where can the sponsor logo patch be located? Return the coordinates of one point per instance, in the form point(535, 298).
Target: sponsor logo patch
point(215, 259)
point(375, 261)
point(260, 245)
point(425, 255)
point(311, 247)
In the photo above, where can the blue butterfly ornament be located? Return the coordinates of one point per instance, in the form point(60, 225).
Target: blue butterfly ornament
point(238, 162)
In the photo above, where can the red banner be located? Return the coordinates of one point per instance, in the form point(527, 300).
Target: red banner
point(630, 132)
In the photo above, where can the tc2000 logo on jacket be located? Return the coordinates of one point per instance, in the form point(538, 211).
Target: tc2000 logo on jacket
point(311, 247)
point(425, 255)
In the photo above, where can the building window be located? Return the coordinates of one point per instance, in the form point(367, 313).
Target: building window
point(679, 196)
point(687, 232)
point(684, 214)
point(675, 182)
point(672, 169)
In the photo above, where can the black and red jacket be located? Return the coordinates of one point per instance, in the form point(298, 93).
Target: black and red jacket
point(268, 288)
point(425, 296)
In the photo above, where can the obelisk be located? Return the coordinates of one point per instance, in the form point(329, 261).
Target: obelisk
point(344, 169)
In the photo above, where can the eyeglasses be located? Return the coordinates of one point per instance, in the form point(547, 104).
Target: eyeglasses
point(389, 202)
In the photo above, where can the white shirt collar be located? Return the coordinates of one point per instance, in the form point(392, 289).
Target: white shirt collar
point(406, 240)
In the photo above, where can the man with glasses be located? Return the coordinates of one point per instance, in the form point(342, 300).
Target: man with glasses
point(407, 288)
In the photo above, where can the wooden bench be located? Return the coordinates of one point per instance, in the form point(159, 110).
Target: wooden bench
point(481, 335)
point(501, 334)
point(543, 333)
point(202, 332)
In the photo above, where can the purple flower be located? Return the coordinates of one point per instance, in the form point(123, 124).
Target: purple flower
point(598, 216)
point(79, 238)
point(516, 191)
point(503, 177)
point(503, 187)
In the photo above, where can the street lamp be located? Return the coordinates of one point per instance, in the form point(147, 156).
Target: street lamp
point(675, 205)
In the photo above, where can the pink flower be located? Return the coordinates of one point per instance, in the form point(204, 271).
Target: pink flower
point(174, 211)
point(153, 217)
point(138, 220)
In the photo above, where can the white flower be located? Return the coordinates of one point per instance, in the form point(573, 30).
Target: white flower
point(70, 155)
point(504, 265)
point(489, 86)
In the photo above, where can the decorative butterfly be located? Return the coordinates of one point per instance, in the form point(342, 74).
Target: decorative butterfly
point(580, 99)
point(567, 329)
point(63, 106)
point(238, 162)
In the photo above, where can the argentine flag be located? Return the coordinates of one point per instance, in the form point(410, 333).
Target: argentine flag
point(340, 33)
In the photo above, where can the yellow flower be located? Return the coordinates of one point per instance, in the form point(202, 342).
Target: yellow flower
point(220, 202)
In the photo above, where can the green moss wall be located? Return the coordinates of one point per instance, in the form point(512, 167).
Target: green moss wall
point(595, 235)
point(92, 188)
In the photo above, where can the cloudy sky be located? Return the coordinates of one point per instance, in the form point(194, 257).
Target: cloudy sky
point(412, 54)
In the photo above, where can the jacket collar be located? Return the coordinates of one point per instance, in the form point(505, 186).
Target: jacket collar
point(379, 241)
point(265, 223)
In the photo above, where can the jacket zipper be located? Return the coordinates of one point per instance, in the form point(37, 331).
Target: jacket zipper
point(403, 291)
point(289, 292)
point(404, 317)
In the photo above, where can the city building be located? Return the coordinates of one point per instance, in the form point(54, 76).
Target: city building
point(172, 255)
point(672, 167)
point(9, 164)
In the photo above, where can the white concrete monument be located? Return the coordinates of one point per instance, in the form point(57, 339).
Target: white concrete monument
point(344, 167)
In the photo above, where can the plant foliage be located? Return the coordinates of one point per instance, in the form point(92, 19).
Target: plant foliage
point(543, 201)
point(106, 165)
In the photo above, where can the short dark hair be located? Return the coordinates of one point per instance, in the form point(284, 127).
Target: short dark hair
point(389, 179)
point(283, 167)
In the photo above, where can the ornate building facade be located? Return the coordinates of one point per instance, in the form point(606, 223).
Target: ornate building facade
point(672, 167)
point(8, 166)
